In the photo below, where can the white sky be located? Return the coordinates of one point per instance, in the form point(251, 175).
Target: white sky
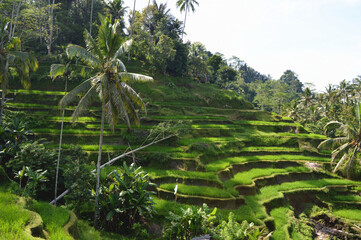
point(320, 40)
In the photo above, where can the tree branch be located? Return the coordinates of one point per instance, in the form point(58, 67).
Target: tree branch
point(115, 159)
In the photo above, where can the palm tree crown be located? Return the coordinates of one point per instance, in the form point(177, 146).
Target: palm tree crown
point(348, 144)
point(12, 57)
point(185, 5)
point(110, 82)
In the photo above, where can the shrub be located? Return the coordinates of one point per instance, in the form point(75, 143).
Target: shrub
point(232, 230)
point(78, 178)
point(191, 222)
point(35, 156)
point(125, 199)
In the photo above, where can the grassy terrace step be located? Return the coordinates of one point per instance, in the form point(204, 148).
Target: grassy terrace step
point(197, 190)
point(274, 191)
point(13, 218)
point(158, 173)
point(348, 213)
point(229, 173)
point(71, 131)
point(163, 207)
point(122, 126)
point(271, 149)
point(70, 119)
point(226, 203)
point(55, 218)
point(224, 163)
point(183, 117)
point(282, 217)
point(42, 106)
point(184, 177)
point(265, 123)
point(246, 178)
point(189, 141)
point(37, 92)
point(154, 148)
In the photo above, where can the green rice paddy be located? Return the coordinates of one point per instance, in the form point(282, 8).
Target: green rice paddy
point(224, 163)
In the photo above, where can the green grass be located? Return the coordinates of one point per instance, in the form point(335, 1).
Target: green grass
point(264, 123)
point(182, 117)
point(97, 126)
point(197, 190)
point(281, 215)
point(346, 198)
point(245, 178)
point(183, 155)
point(244, 212)
point(70, 119)
point(71, 131)
point(154, 148)
point(87, 232)
point(13, 218)
point(157, 173)
point(351, 213)
point(273, 191)
point(38, 92)
point(215, 126)
point(270, 149)
point(302, 135)
point(32, 106)
point(54, 219)
point(190, 140)
point(224, 163)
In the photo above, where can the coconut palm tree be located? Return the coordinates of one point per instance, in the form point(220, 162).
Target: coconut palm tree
point(12, 58)
point(348, 144)
point(185, 5)
point(110, 82)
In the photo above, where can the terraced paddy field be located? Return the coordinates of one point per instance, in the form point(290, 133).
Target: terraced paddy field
point(264, 168)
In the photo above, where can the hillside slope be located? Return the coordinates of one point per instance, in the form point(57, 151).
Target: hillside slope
point(260, 166)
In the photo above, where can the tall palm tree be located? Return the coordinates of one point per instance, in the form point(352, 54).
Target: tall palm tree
point(185, 5)
point(12, 58)
point(348, 144)
point(110, 82)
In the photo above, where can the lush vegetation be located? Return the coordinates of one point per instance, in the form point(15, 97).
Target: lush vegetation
point(140, 155)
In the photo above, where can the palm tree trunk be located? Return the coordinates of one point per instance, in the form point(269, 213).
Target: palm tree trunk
point(51, 27)
point(91, 17)
point(3, 87)
point(96, 213)
point(16, 19)
point(131, 27)
point(60, 141)
point(40, 27)
point(185, 19)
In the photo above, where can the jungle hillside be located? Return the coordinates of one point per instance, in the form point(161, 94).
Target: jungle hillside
point(113, 126)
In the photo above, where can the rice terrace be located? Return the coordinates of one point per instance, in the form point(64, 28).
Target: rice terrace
point(115, 124)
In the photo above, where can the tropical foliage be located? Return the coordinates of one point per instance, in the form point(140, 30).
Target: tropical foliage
point(347, 142)
point(125, 199)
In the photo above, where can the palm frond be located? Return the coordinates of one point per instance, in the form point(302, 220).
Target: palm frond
point(125, 47)
point(128, 107)
point(57, 70)
point(134, 77)
point(133, 95)
point(332, 124)
point(120, 65)
point(340, 150)
point(73, 94)
point(344, 157)
point(84, 103)
point(328, 143)
point(80, 52)
point(91, 45)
